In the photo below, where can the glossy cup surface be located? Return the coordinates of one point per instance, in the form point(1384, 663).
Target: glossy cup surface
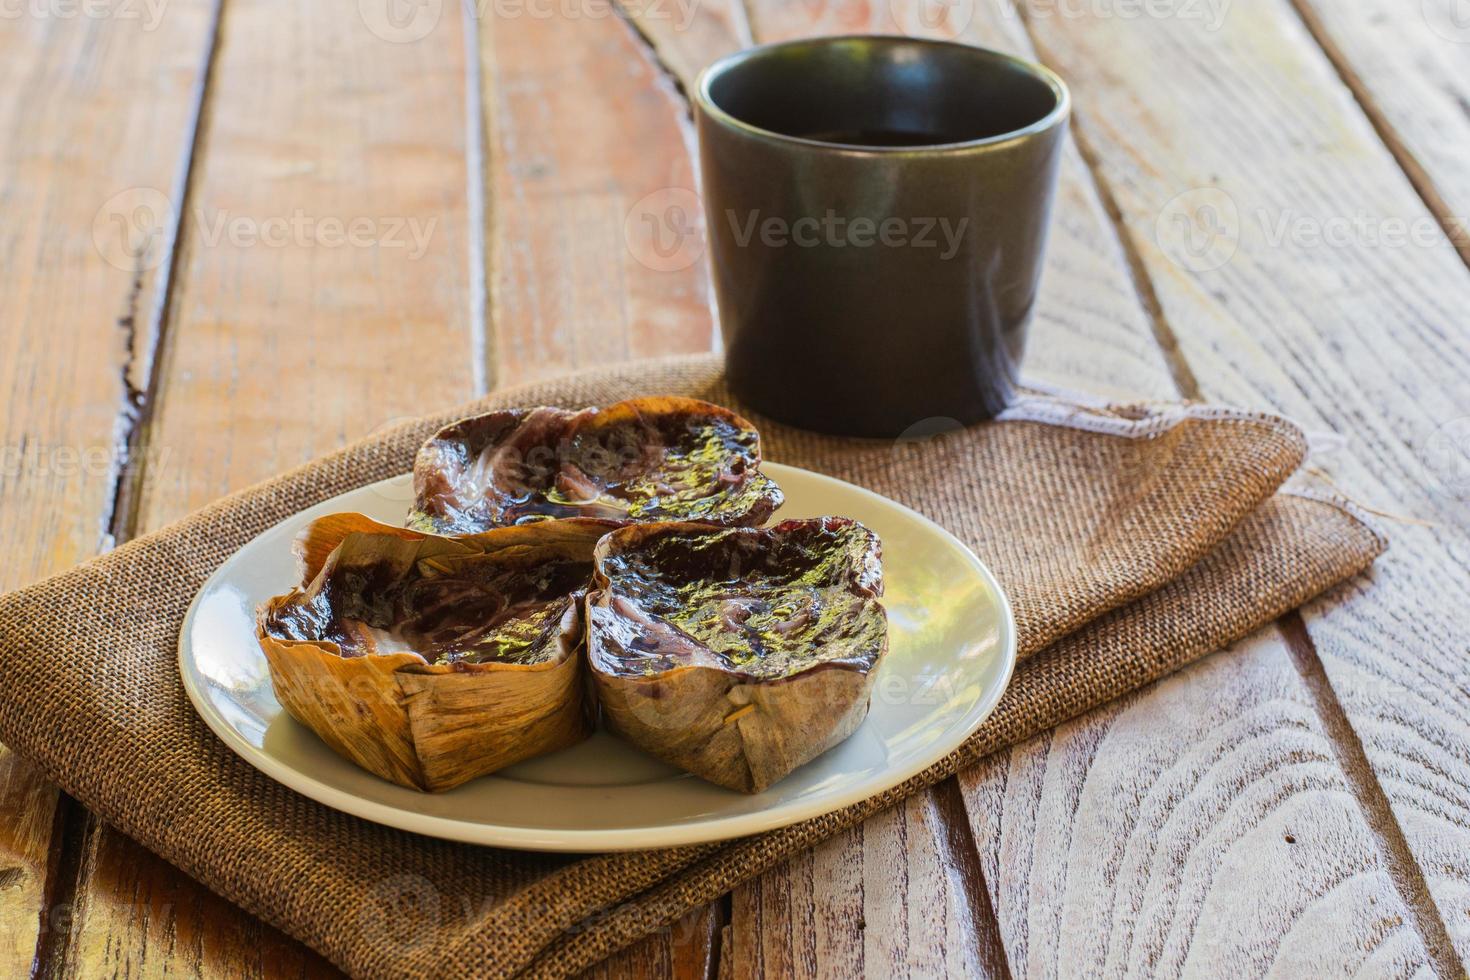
point(877, 211)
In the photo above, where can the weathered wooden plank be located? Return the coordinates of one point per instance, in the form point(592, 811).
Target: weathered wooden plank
point(97, 117)
point(322, 289)
point(687, 950)
point(1202, 826)
point(1284, 245)
point(1088, 309)
point(596, 239)
point(889, 898)
point(1411, 75)
point(29, 806)
point(688, 35)
point(324, 278)
point(135, 914)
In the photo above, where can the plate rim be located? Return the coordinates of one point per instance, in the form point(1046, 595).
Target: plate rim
point(700, 831)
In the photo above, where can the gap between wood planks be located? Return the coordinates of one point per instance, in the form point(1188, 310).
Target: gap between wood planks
point(73, 824)
point(1419, 178)
point(742, 25)
point(123, 523)
point(961, 856)
point(1407, 876)
point(484, 355)
point(71, 830)
point(661, 67)
point(1404, 871)
point(710, 962)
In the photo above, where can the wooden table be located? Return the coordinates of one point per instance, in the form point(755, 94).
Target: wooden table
point(236, 234)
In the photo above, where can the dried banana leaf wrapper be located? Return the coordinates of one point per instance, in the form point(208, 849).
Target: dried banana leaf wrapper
point(430, 661)
point(644, 459)
point(737, 654)
point(551, 540)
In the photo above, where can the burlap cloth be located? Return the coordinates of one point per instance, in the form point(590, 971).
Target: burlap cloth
point(1131, 541)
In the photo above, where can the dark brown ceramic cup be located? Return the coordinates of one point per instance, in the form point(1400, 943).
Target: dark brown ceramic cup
point(877, 209)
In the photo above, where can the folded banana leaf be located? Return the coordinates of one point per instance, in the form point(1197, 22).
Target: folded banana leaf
point(431, 660)
point(646, 459)
point(737, 654)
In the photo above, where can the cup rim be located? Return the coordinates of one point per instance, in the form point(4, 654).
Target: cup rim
point(706, 103)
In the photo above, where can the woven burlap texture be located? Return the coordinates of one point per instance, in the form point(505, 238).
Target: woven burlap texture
point(1131, 541)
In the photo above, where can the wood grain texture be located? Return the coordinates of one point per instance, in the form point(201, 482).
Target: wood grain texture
point(28, 916)
point(400, 336)
point(324, 274)
point(1201, 827)
point(1410, 72)
point(892, 897)
point(82, 255)
point(306, 312)
point(688, 36)
point(137, 915)
point(596, 240)
point(1304, 288)
point(687, 950)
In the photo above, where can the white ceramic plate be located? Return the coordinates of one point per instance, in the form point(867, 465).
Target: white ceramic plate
point(952, 649)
